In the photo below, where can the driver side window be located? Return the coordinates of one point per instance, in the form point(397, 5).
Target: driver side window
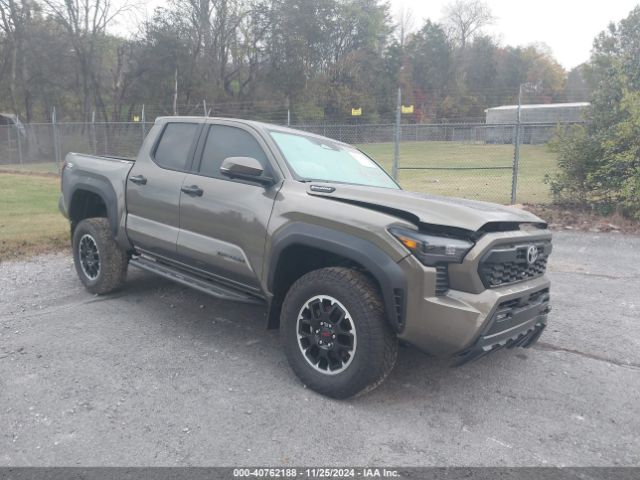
point(223, 142)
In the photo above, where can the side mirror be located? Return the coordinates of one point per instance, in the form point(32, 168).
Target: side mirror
point(245, 168)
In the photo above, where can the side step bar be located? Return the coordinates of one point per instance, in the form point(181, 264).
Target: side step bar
point(205, 285)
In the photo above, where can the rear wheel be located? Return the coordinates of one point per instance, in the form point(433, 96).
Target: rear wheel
point(336, 337)
point(100, 263)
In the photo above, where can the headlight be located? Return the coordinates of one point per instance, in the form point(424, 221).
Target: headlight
point(431, 249)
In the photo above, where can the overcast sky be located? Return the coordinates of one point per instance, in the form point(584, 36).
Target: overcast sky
point(567, 26)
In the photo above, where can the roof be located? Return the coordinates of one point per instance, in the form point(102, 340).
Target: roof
point(265, 127)
point(541, 106)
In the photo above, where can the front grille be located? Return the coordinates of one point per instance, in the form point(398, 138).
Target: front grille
point(442, 279)
point(505, 265)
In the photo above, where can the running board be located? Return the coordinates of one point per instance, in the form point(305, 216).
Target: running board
point(204, 285)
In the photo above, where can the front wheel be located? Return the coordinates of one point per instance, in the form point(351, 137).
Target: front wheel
point(100, 263)
point(336, 336)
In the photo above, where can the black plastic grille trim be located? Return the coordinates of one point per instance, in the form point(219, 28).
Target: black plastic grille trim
point(508, 265)
point(442, 279)
point(398, 299)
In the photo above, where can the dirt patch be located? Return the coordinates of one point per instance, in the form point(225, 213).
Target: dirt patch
point(573, 218)
point(17, 249)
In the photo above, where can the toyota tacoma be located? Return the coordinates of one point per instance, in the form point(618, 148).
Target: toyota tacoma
point(346, 263)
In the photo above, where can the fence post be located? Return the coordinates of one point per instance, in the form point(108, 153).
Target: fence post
point(204, 106)
point(17, 125)
point(56, 145)
point(9, 142)
point(516, 165)
point(516, 152)
point(105, 130)
point(143, 121)
point(94, 140)
point(396, 140)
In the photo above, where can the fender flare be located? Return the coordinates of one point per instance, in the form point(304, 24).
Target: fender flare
point(379, 264)
point(105, 191)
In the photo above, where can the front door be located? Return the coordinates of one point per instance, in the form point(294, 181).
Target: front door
point(223, 222)
point(153, 188)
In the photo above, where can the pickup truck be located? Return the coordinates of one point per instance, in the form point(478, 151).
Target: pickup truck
point(346, 263)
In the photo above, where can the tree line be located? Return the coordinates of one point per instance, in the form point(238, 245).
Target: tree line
point(316, 58)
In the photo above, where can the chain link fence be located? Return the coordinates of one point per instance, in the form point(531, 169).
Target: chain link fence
point(469, 160)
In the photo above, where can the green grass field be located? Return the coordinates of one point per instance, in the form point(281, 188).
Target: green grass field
point(488, 185)
point(29, 218)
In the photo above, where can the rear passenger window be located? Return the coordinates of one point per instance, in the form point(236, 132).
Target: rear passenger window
point(224, 142)
point(173, 149)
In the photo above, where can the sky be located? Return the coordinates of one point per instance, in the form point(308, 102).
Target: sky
point(568, 27)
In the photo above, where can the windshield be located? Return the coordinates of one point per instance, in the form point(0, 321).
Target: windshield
point(320, 159)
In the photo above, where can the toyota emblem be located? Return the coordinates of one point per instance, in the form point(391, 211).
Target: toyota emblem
point(532, 254)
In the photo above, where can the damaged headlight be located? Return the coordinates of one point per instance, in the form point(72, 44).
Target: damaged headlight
point(431, 249)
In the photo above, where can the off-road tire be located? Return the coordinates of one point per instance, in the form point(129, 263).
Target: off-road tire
point(377, 345)
point(113, 261)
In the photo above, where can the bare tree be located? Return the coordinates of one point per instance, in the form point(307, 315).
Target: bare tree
point(86, 22)
point(406, 23)
point(465, 18)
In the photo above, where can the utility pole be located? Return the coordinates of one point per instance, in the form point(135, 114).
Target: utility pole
point(396, 139)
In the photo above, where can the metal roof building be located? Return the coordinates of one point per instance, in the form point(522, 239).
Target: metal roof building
point(542, 113)
point(544, 116)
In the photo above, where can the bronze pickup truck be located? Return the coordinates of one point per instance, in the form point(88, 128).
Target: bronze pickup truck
point(345, 262)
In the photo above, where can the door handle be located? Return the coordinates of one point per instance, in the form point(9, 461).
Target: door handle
point(138, 179)
point(193, 190)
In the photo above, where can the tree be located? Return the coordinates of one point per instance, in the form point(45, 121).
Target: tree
point(600, 163)
point(466, 18)
point(316, 58)
point(15, 18)
point(430, 60)
point(576, 88)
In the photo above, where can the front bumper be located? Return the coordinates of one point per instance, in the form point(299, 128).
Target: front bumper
point(521, 338)
point(467, 325)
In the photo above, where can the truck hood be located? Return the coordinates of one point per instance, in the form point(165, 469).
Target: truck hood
point(423, 208)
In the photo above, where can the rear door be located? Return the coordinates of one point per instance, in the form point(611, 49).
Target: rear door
point(153, 188)
point(223, 227)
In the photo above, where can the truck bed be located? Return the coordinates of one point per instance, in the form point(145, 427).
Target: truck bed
point(105, 176)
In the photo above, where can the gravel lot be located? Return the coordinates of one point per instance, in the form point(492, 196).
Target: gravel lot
point(161, 375)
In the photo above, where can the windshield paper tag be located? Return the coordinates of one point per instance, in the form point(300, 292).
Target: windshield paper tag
point(363, 159)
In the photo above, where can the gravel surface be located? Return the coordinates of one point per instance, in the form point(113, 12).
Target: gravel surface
point(161, 375)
